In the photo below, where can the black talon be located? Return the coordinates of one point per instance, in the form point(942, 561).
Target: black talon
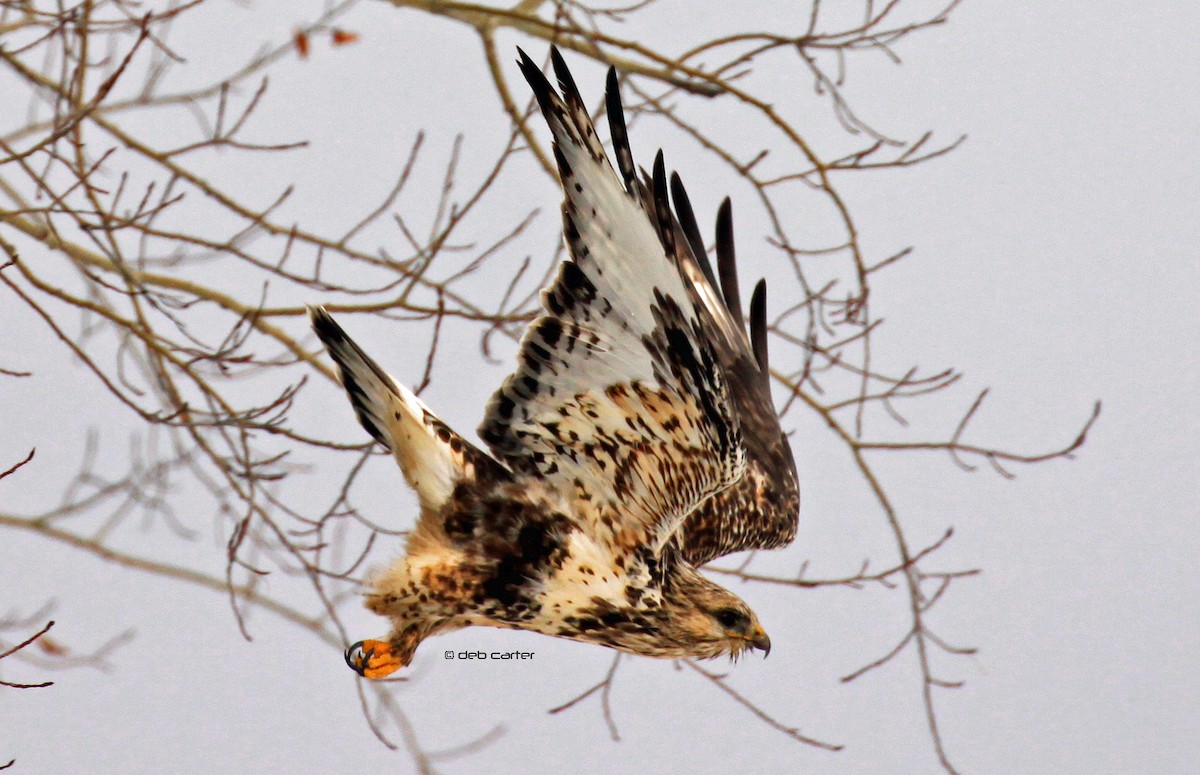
point(358, 665)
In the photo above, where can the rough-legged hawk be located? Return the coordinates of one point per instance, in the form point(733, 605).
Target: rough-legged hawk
point(635, 441)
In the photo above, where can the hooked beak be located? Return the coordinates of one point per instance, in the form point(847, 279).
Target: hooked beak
point(758, 640)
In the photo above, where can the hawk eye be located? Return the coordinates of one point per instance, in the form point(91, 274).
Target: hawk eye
point(729, 618)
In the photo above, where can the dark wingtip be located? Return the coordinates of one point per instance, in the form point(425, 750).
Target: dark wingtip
point(758, 328)
point(662, 205)
point(525, 63)
point(619, 132)
point(536, 79)
point(611, 86)
point(556, 59)
point(323, 323)
point(345, 353)
point(727, 262)
point(691, 229)
point(565, 80)
point(659, 174)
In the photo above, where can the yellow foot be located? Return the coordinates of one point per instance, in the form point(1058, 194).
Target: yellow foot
point(373, 659)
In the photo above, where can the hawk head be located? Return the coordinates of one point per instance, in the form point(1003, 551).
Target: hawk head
point(709, 620)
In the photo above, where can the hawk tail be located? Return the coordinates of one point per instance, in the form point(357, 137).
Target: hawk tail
point(432, 456)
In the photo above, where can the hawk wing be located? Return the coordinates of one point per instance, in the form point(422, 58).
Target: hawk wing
point(621, 395)
point(617, 397)
point(761, 510)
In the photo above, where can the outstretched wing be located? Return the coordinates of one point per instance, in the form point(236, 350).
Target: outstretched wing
point(619, 397)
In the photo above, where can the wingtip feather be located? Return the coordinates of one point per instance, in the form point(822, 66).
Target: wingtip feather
point(536, 79)
point(619, 132)
point(727, 262)
point(691, 229)
point(758, 328)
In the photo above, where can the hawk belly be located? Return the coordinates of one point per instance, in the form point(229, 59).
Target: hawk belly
point(514, 557)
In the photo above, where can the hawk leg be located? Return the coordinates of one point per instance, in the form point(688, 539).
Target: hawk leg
point(373, 659)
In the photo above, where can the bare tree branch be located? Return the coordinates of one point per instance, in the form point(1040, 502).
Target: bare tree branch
point(183, 294)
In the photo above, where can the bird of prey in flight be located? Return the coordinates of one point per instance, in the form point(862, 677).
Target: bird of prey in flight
point(635, 441)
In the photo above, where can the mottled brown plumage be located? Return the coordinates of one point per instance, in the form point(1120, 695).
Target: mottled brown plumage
point(635, 440)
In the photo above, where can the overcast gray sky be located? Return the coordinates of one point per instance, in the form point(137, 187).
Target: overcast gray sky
point(1055, 261)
